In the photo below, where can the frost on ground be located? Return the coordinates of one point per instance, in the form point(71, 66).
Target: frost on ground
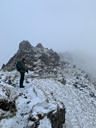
point(26, 108)
point(42, 95)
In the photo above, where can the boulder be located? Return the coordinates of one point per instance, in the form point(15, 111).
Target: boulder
point(55, 116)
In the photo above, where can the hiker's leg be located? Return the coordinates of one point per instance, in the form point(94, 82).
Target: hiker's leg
point(21, 79)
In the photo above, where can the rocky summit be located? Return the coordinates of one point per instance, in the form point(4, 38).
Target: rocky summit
point(57, 94)
point(38, 56)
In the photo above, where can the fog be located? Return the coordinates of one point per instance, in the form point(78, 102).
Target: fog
point(58, 24)
point(85, 61)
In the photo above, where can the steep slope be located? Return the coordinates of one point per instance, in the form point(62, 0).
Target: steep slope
point(56, 92)
point(36, 57)
point(30, 107)
point(67, 85)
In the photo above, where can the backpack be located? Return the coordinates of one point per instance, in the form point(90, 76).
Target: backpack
point(18, 66)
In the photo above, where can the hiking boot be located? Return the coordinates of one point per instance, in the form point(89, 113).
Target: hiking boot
point(22, 86)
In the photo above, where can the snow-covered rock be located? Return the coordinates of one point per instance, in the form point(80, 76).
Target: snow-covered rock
point(28, 107)
point(35, 57)
point(66, 86)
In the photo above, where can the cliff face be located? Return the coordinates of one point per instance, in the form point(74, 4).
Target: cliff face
point(35, 56)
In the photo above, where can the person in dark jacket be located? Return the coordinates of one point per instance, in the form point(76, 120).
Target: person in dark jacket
point(20, 66)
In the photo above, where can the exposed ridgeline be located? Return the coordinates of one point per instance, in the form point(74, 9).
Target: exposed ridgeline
point(36, 57)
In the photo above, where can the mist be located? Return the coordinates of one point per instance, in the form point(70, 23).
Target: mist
point(85, 61)
point(58, 24)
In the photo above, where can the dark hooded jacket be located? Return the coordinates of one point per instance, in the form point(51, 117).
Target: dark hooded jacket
point(20, 66)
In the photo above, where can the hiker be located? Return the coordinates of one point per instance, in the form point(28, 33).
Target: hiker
point(20, 66)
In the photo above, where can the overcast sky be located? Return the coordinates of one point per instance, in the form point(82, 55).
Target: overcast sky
point(63, 25)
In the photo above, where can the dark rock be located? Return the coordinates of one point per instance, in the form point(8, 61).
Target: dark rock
point(57, 118)
point(63, 81)
point(6, 105)
point(76, 84)
point(25, 46)
point(44, 57)
point(9, 82)
point(77, 77)
point(87, 76)
point(3, 66)
point(39, 45)
point(74, 66)
point(92, 94)
point(35, 57)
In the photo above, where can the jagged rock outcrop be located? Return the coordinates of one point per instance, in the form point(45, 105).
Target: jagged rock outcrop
point(55, 116)
point(7, 108)
point(35, 56)
point(39, 45)
point(6, 105)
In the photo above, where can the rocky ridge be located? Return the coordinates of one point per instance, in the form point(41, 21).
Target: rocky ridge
point(36, 57)
point(48, 92)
